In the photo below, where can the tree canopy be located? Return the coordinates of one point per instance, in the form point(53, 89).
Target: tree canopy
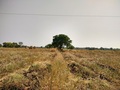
point(20, 43)
point(49, 46)
point(0, 45)
point(12, 44)
point(60, 41)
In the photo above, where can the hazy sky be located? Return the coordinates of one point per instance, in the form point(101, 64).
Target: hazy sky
point(89, 23)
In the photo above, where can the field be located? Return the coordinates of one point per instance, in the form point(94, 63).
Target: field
point(50, 69)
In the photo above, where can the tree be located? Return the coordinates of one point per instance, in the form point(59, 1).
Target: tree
point(10, 44)
point(20, 43)
point(49, 46)
point(7, 44)
point(70, 47)
point(14, 44)
point(0, 45)
point(60, 41)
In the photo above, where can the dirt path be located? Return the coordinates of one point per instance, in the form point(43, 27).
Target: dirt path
point(61, 78)
point(58, 73)
point(59, 56)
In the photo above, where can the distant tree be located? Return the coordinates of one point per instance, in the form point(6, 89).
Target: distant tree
point(24, 46)
point(14, 44)
point(101, 48)
point(49, 46)
point(0, 45)
point(91, 48)
point(41, 47)
point(30, 47)
point(111, 48)
point(60, 41)
point(70, 47)
point(7, 44)
point(10, 44)
point(20, 43)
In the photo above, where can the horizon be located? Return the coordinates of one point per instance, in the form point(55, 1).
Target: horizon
point(74, 46)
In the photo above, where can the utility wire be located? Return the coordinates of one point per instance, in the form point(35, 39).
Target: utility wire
point(59, 15)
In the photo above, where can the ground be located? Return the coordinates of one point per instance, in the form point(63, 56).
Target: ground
point(50, 69)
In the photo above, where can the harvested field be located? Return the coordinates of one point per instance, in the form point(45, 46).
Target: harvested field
point(50, 69)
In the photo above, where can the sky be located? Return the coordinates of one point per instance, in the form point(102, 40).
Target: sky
point(88, 23)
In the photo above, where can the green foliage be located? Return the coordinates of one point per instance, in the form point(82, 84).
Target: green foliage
point(0, 45)
point(10, 44)
point(20, 43)
point(70, 47)
point(49, 46)
point(61, 40)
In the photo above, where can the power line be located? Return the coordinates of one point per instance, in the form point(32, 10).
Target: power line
point(58, 15)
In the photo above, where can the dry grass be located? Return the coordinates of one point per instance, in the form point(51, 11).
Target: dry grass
point(100, 67)
point(49, 69)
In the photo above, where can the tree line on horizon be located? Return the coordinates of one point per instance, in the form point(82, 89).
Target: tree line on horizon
point(11, 44)
point(16, 45)
point(60, 41)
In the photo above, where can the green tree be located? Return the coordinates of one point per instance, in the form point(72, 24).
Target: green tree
point(14, 44)
point(20, 44)
point(70, 47)
point(60, 41)
point(10, 44)
point(49, 46)
point(0, 45)
point(7, 44)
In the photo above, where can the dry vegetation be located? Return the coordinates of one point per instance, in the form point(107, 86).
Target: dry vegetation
point(49, 69)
